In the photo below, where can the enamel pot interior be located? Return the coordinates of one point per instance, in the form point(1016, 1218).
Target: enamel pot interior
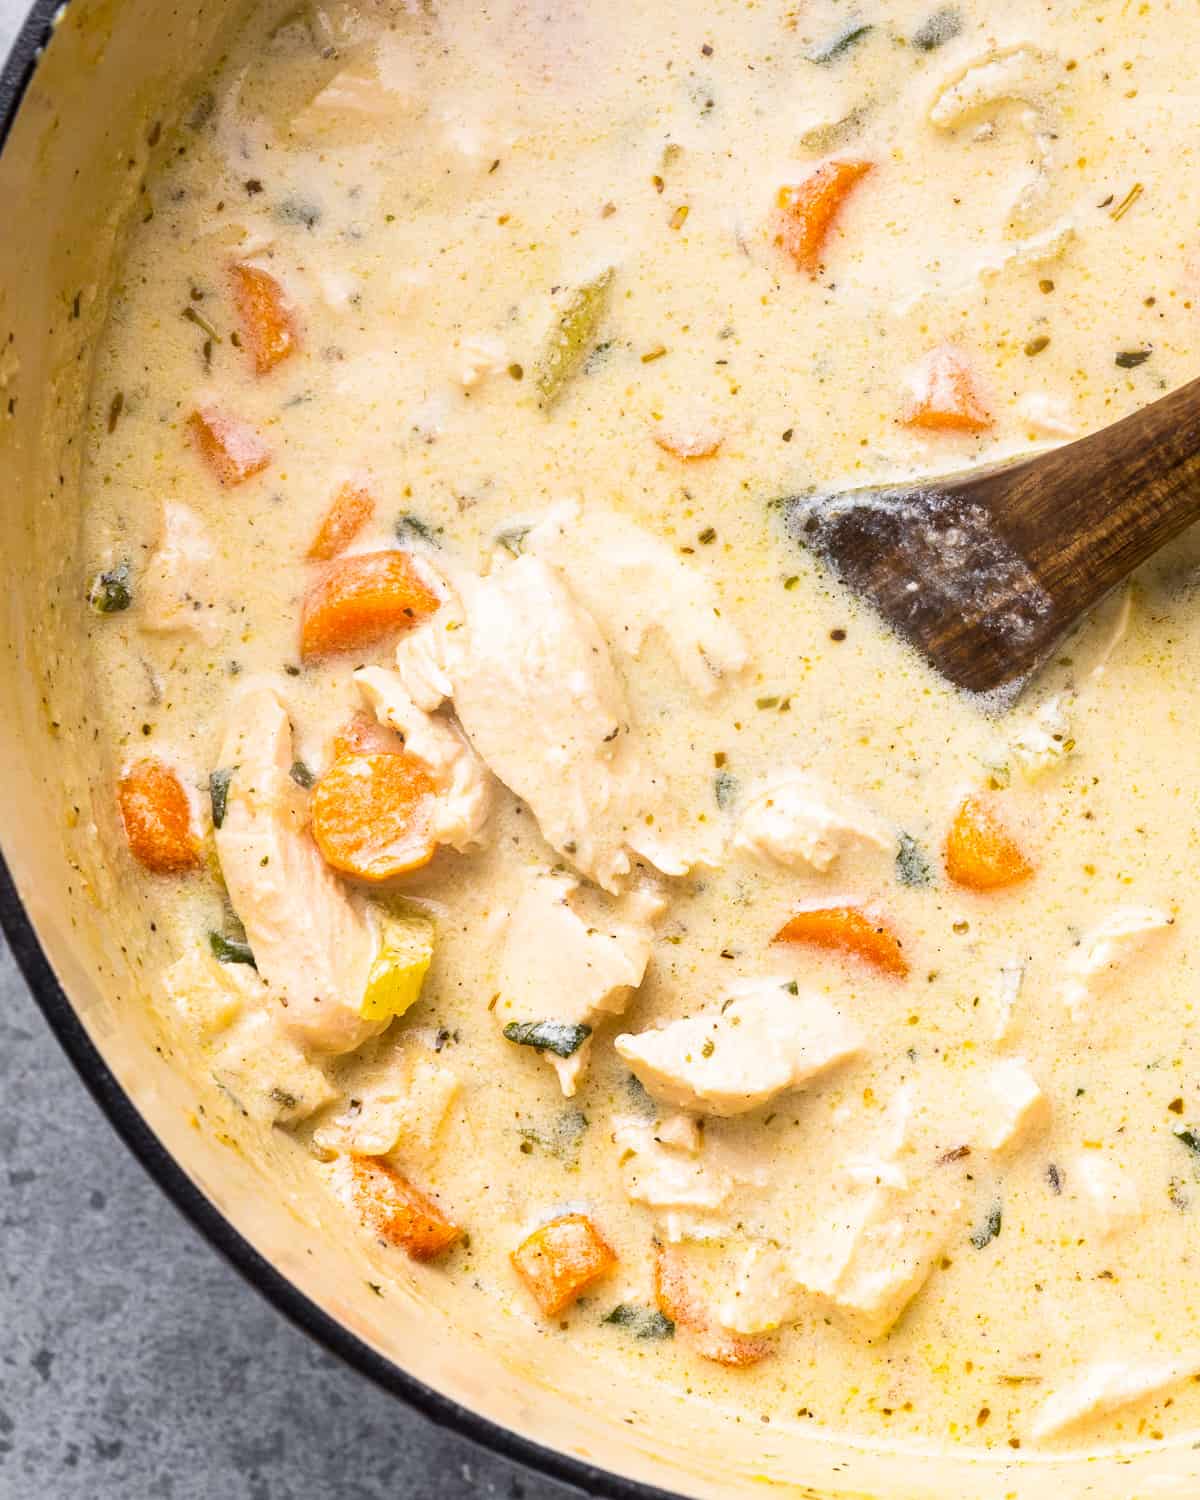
point(88, 99)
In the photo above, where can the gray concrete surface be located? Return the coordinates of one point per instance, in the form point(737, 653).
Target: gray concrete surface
point(134, 1364)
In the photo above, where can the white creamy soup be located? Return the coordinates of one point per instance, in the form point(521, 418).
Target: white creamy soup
point(618, 919)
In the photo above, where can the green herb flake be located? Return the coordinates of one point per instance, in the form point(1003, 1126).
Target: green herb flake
point(230, 950)
point(989, 1229)
point(110, 591)
point(639, 1099)
point(1129, 359)
point(573, 337)
point(642, 1322)
point(1189, 1136)
point(218, 793)
point(938, 29)
point(563, 1140)
point(912, 866)
point(512, 539)
point(839, 43)
point(301, 775)
point(563, 1038)
point(725, 788)
point(409, 527)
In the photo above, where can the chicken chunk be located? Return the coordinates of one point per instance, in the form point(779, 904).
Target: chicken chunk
point(313, 941)
point(1042, 742)
point(634, 583)
point(176, 588)
point(401, 1106)
point(464, 792)
point(764, 1039)
point(881, 1248)
point(1016, 1106)
point(797, 820)
point(227, 1008)
point(1107, 1193)
point(1106, 948)
point(1106, 1387)
point(572, 958)
point(538, 696)
point(666, 1166)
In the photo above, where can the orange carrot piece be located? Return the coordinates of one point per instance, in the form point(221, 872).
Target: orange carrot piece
point(157, 818)
point(360, 599)
point(232, 449)
point(268, 327)
point(807, 211)
point(365, 735)
point(352, 508)
point(848, 929)
point(981, 854)
point(371, 815)
point(676, 1300)
point(400, 1213)
point(945, 398)
point(562, 1259)
point(690, 443)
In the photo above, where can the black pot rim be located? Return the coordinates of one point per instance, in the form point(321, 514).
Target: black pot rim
point(126, 1120)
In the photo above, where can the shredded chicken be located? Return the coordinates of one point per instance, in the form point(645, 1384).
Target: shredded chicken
point(399, 1107)
point(573, 957)
point(1106, 1387)
point(176, 588)
point(464, 798)
point(764, 1039)
point(312, 940)
point(1016, 1106)
point(538, 696)
point(797, 820)
point(635, 583)
point(1093, 965)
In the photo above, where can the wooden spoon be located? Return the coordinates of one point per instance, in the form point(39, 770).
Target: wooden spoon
point(984, 572)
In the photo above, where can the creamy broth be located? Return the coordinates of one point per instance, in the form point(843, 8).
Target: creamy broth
point(543, 306)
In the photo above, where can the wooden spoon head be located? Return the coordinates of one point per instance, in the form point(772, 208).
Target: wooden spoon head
point(932, 561)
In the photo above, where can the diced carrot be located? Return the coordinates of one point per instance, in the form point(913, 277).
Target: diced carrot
point(360, 599)
point(268, 327)
point(371, 815)
point(944, 397)
point(352, 508)
point(365, 735)
point(158, 818)
point(808, 210)
point(981, 854)
point(849, 929)
point(676, 1300)
point(400, 1213)
point(562, 1259)
point(232, 449)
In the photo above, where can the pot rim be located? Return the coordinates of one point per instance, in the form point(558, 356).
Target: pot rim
point(15, 77)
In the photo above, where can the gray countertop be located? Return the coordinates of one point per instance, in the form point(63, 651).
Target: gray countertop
point(134, 1363)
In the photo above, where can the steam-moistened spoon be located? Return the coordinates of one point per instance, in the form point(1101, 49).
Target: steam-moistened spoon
point(984, 572)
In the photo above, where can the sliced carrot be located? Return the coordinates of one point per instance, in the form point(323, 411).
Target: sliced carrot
point(360, 599)
point(400, 1213)
point(808, 210)
point(365, 735)
point(677, 1300)
point(945, 398)
point(849, 929)
point(371, 815)
point(232, 449)
point(158, 818)
point(981, 854)
point(268, 327)
point(562, 1259)
point(352, 508)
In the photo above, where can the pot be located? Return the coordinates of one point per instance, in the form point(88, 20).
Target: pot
point(87, 98)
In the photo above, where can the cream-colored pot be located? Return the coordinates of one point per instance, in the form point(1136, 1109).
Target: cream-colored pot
point(86, 107)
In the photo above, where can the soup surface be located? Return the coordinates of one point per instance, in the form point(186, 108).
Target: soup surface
point(618, 918)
